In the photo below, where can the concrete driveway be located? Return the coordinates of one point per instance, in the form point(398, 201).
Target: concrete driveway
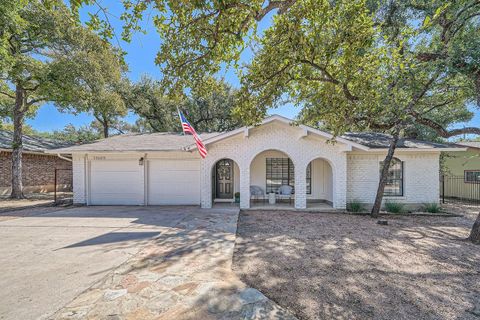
point(124, 263)
point(48, 256)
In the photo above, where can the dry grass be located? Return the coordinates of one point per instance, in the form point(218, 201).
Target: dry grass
point(324, 266)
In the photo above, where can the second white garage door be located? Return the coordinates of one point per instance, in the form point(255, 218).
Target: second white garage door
point(173, 182)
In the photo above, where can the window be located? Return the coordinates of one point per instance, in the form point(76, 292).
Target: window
point(472, 176)
point(280, 171)
point(394, 185)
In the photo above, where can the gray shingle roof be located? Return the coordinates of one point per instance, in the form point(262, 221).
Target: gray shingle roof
point(168, 141)
point(157, 141)
point(382, 140)
point(471, 144)
point(30, 143)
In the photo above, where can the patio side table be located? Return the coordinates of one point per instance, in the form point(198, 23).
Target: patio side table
point(271, 198)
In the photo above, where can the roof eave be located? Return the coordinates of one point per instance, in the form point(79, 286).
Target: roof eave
point(419, 149)
point(66, 151)
point(39, 152)
point(272, 118)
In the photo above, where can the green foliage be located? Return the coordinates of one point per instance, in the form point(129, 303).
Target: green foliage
point(355, 206)
point(207, 107)
point(354, 65)
point(394, 207)
point(50, 57)
point(27, 129)
point(432, 207)
point(70, 133)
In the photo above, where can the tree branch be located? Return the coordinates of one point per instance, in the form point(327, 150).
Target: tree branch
point(329, 78)
point(33, 101)
point(7, 94)
point(440, 130)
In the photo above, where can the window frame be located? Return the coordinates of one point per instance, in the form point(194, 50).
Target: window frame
point(401, 179)
point(290, 174)
point(465, 172)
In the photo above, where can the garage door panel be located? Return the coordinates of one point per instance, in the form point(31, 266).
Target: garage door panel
point(174, 182)
point(184, 165)
point(115, 165)
point(116, 182)
point(114, 199)
point(178, 176)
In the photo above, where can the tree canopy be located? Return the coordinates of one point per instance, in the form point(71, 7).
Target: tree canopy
point(208, 107)
point(345, 63)
point(47, 56)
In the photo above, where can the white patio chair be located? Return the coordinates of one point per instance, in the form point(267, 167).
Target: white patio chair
point(285, 192)
point(256, 192)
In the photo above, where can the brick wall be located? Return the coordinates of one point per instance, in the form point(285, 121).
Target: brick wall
point(38, 172)
point(282, 137)
point(420, 177)
point(354, 174)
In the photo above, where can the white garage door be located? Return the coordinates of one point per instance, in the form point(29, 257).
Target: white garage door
point(116, 182)
point(173, 182)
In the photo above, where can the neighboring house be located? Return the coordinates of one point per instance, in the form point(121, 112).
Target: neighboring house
point(38, 167)
point(462, 172)
point(166, 169)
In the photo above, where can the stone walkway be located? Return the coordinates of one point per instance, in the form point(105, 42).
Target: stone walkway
point(185, 273)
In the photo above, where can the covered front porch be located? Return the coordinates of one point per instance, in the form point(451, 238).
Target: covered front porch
point(275, 165)
point(272, 183)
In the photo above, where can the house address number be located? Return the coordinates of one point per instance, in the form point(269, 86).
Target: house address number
point(99, 158)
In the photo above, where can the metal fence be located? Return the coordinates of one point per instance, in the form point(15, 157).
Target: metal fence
point(455, 188)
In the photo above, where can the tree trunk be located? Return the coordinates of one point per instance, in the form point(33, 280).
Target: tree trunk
point(17, 145)
point(104, 122)
point(105, 129)
point(475, 233)
point(477, 88)
point(384, 174)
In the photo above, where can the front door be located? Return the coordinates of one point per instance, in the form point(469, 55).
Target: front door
point(224, 172)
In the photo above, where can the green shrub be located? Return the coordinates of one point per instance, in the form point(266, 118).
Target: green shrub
point(355, 206)
point(394, 207)
point(432, 207)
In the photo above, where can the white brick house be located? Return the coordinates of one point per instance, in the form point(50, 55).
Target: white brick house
point(166, 169)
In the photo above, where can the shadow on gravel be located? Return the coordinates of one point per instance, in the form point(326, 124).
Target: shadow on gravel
point(337, 266)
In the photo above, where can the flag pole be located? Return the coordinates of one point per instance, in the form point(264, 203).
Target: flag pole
point(181, 122)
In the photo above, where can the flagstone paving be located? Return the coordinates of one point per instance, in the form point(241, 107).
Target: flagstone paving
point(184, 273)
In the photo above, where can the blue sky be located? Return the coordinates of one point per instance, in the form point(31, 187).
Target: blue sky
point(140, 57)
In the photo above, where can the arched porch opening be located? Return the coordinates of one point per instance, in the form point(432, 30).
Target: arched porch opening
point(272, 180)
point(225, 175)
point(320, 184)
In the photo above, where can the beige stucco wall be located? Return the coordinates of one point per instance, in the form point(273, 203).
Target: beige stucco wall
point(455, 164)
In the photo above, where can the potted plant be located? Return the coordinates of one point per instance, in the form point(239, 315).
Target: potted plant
point(237, 197)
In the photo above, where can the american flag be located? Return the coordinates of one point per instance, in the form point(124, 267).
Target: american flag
point(188, 129)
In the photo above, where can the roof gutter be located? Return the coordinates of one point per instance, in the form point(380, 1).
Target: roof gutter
point(63, 158)
point(373, 150)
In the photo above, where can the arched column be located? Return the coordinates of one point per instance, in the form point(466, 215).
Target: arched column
point(300, 185)
point(244, 186)
point(340, 182)
point(206, 184)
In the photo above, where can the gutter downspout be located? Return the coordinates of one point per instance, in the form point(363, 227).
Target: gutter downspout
point(63, 158)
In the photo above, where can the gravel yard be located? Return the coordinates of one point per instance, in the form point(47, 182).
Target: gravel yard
point(324, 266)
